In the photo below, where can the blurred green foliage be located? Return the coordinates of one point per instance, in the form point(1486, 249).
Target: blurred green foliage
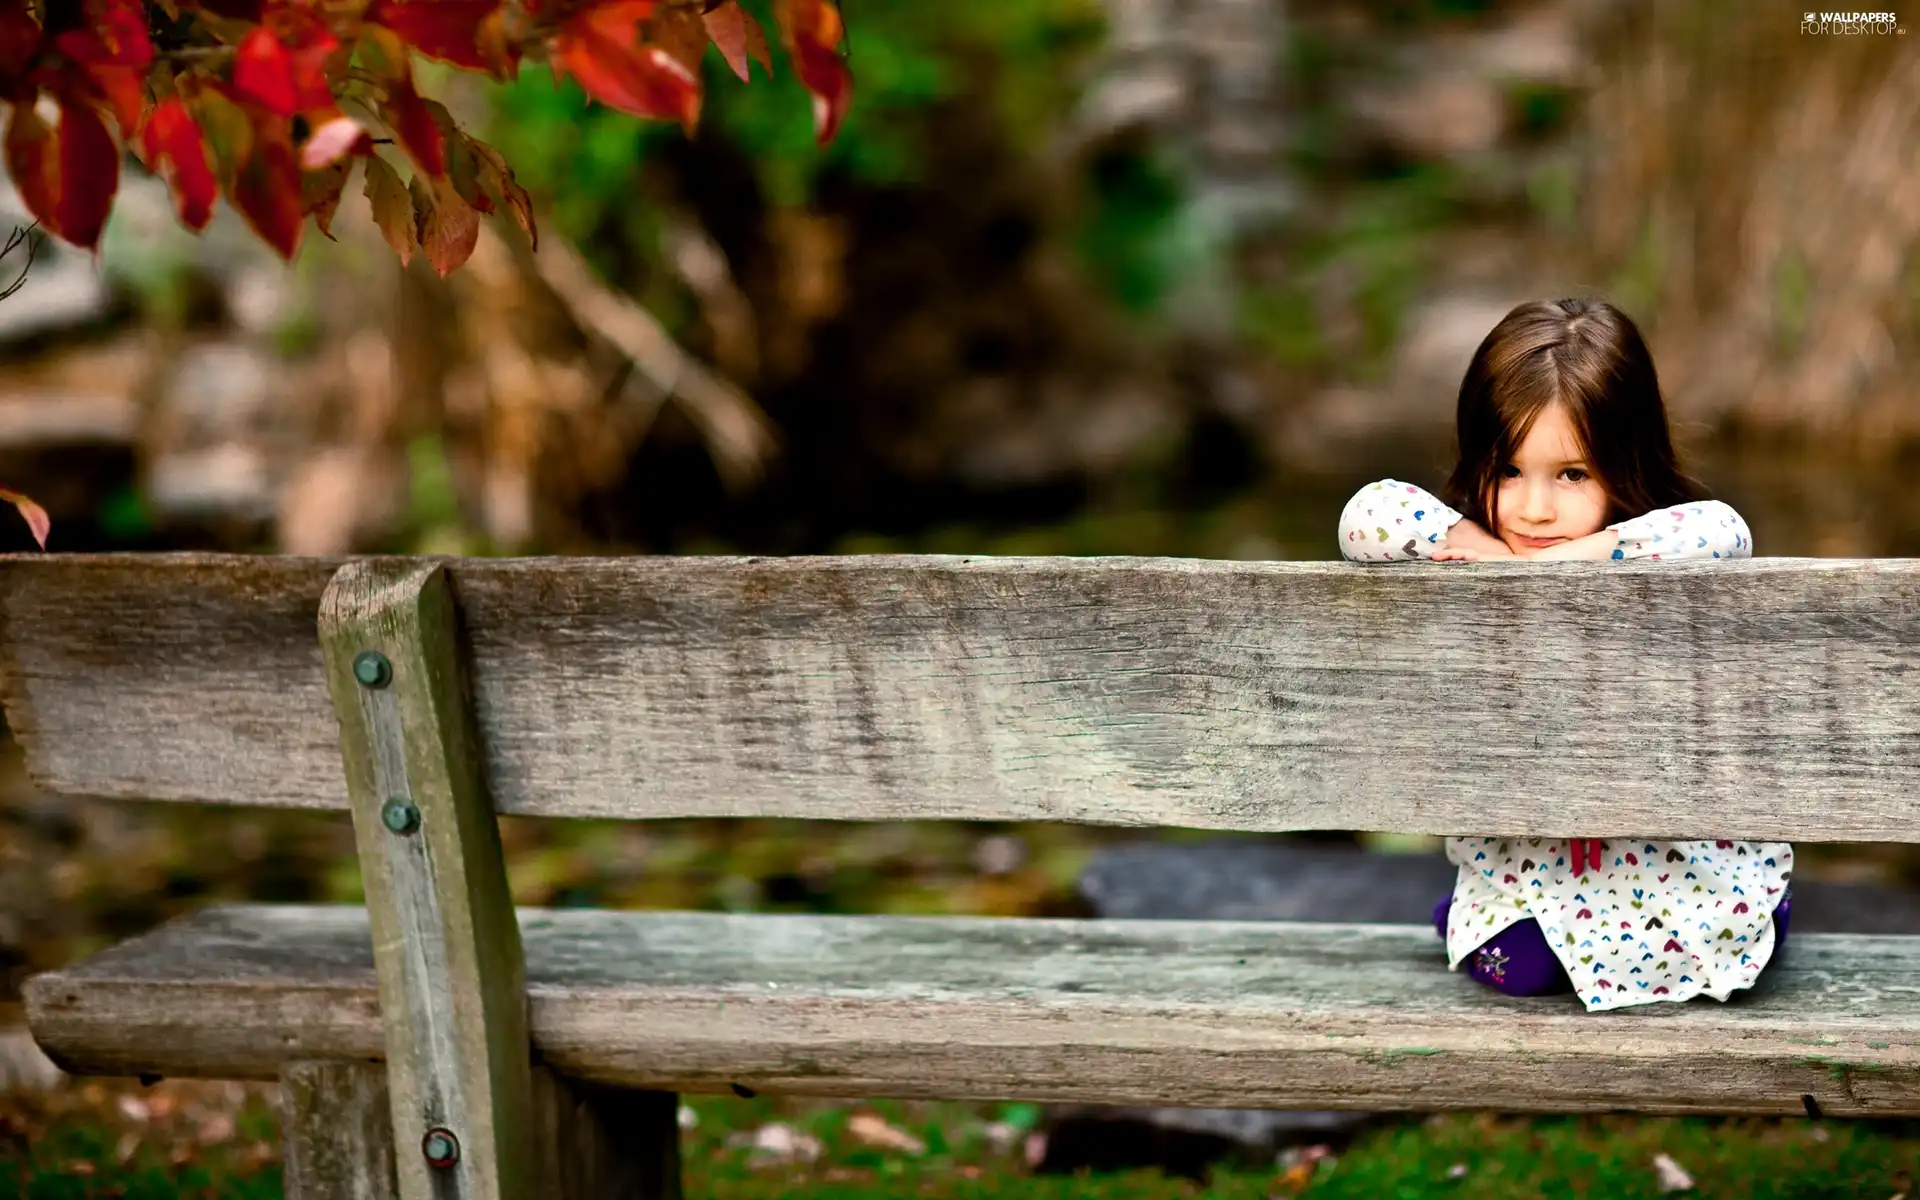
point(1635, 286)
point(1012, 57)
point(1130, 241)
point(1542, 109)
point(1370, 255)
point(1792, 296)
point(1553, 187)
point(434, 523)
point(1365, 244)
point(1377, 223)
point(1017, 63)
point(124, 514)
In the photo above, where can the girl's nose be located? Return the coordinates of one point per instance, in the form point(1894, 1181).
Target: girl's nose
point(1536, 503)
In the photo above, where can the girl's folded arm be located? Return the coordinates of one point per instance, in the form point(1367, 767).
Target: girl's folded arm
point(1391, 521)
point(1698, 529)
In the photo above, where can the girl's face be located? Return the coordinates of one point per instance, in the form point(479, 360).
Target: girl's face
point(1547, 494)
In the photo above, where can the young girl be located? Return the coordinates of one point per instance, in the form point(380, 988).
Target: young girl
point(1565, 454)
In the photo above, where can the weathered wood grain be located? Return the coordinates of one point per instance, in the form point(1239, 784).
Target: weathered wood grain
point(337, 1130)
point(445, 940)
point(1208, 1014)
point(1763, 698)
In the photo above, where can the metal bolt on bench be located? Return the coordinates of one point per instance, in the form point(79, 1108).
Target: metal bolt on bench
point(372, 669)
point(399, 816)
point(441, 1148)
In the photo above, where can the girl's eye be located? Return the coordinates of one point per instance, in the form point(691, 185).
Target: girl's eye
point(1571, 474)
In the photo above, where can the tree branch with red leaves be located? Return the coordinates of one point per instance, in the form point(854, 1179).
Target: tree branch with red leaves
point(270, 103)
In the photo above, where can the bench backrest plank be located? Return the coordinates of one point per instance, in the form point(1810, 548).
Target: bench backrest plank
point(1759, 699)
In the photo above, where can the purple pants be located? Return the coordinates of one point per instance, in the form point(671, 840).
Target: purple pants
point(1532, 970)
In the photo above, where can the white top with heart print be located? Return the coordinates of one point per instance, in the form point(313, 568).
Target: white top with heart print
point(1658, 921)
point(1391, 521)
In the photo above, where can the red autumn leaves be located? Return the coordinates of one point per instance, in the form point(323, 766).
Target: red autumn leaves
point(643, 56)
point(66, 173)
point(592, 47)
point(172, 147)
point(271, 102)
point(67, 169)
point(813, 30)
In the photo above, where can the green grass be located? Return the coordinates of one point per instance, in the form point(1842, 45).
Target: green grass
point(92, 1147)
point(99, 1138)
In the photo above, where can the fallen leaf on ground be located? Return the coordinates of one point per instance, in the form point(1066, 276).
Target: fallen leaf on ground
point(1036, 1149)
point(873, 1129)
point(1001, 1135)
point(1672, 1177)
point(1302, 1163)
point(777, 1144)
point(216, 1128)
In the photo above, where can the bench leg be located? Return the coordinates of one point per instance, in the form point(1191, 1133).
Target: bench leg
point(337, 1131)
point(601, 1144)
point(590, 1143)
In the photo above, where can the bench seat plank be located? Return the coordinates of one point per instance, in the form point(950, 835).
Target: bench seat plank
point(1763, 699)
point(1214, 1014)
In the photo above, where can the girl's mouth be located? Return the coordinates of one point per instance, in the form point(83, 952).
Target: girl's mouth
point(1535, 543)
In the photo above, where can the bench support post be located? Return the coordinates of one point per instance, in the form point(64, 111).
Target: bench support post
point(446, 941)
point(592, 1143)
point(606, 1144)
point(337, 1131)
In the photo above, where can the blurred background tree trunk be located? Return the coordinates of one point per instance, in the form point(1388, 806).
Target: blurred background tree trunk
point(1756, 191)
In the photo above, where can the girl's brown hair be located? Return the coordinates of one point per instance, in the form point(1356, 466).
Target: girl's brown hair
point(1588, 356)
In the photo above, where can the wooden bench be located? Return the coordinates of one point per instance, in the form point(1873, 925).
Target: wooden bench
point(1762, 699)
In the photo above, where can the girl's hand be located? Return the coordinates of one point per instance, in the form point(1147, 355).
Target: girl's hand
point(1467, 542)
